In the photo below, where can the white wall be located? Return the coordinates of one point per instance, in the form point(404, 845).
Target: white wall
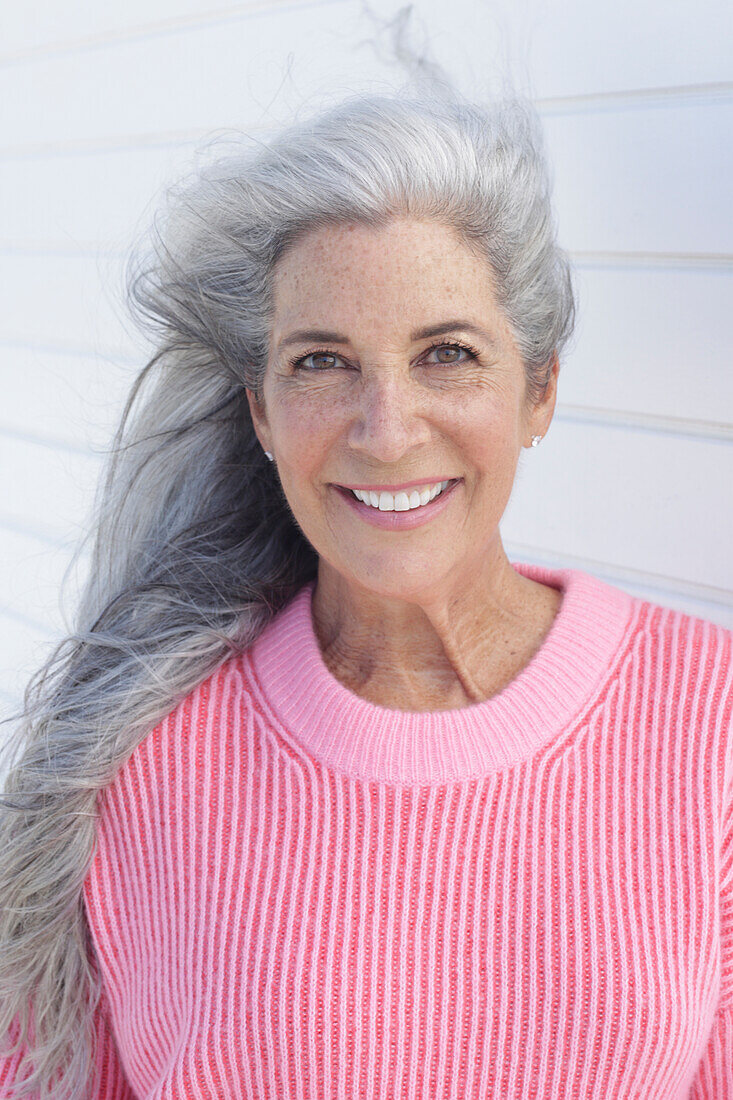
point(106, 103)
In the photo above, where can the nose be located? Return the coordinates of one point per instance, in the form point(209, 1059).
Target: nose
point(389, 418)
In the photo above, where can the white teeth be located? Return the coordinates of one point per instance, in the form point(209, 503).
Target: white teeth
point(401, 501)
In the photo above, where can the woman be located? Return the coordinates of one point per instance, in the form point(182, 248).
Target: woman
point(325, 797)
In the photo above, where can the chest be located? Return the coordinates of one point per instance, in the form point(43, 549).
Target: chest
point(498, 938)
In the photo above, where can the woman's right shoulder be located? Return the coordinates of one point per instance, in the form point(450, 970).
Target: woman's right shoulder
point(226, 710)
point(180, 740)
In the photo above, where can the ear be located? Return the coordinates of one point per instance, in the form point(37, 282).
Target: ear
point(542, 413)
point(259, 420)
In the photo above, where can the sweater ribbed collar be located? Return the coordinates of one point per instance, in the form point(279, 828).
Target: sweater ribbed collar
point(354, 736)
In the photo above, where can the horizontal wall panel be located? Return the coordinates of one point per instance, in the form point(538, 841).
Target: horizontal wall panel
point(73, 302)
point(197, 81)
point(46, 488)
point(568, 46)
point(23, 649)
point(698, 600)
point(34, 587)
point(655, 341)
point(643, 180)
point(654, 503)
point(101, 200)
point(654, 180)
point(80, 24)
point(227, 74)
point(71, 400)
point(652, 341)
point(572, 47)
point(9, 705)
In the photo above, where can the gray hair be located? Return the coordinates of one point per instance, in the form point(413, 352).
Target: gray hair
point(195, 549)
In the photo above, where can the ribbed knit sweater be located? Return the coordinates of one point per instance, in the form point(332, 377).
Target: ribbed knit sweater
point(297, 893)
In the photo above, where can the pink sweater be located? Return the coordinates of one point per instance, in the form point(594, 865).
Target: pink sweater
point(298, 893)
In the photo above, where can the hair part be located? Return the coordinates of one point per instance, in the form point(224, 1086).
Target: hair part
point(195, 548)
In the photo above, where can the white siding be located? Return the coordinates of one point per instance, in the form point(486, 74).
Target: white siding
point(107, 104)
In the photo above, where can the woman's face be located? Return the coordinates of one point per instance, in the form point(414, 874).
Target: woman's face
point(377, 402)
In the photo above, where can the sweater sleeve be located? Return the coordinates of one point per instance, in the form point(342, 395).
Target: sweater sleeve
point(714, 1077)
point(108, 1080)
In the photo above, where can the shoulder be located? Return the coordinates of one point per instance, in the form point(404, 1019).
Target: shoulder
point(186, 739)
point(225, 710)
point(160, 822)
point(183, 773)
point(679, 668)
point(679, 639)
point(686, 655)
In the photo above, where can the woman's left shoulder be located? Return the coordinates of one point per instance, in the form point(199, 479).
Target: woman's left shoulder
point(686, 661)
point(679, 630)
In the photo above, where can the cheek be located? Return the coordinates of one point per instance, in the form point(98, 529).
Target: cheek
point(487, 440)
point(306, 428)
point(483, 430)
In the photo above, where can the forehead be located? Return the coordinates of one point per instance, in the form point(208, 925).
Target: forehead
point(396, 275)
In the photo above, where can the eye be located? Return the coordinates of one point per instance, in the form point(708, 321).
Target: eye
point(453, 349)
point(299, 362)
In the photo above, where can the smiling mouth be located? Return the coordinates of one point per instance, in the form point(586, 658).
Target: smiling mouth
point(405, 500)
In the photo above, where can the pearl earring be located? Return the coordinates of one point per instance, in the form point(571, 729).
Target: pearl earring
point(269, 455)
point(535, 440)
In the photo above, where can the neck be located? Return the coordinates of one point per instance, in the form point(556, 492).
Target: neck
point(455, 642)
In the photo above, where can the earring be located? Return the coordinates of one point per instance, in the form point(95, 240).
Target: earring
point(535, 440)
point(269, 455)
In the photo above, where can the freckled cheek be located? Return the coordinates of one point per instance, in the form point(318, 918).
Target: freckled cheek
point(485, 441)
point(307, 430)
point(473, 431)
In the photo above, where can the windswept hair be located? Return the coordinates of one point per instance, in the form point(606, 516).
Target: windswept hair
point(194, 547)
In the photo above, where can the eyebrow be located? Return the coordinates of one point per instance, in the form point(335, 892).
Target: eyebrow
point(317, 335)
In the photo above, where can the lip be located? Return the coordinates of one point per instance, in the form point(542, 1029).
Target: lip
point(400, 521)
point(423, 482)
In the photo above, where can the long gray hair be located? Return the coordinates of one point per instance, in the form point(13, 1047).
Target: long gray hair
point(195, 548)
